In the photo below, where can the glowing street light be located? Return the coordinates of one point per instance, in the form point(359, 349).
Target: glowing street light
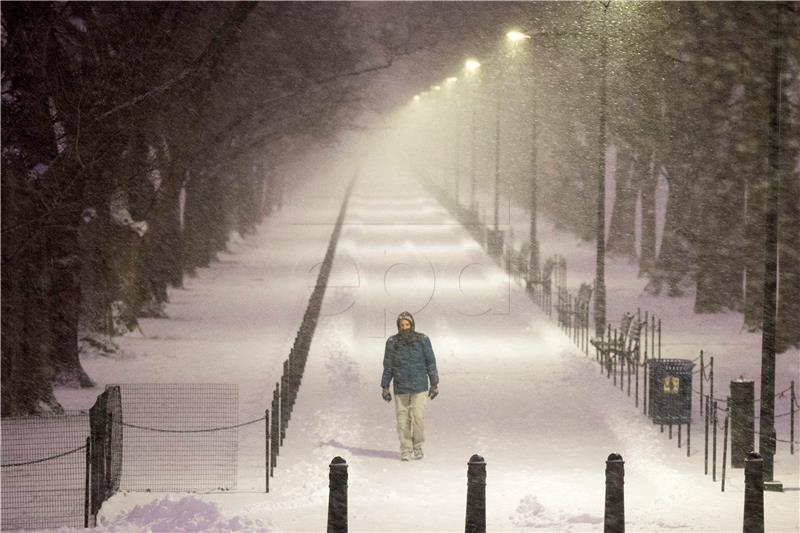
point(416, 98)
point(472, 65)
point(436, 87)
point(451, 80)
point(516, 36)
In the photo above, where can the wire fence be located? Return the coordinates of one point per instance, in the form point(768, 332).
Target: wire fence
point(634, 348)
point(179, 436)
point(58, 470)
point(44, 471)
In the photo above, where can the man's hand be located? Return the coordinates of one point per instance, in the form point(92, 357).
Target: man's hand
point(386, 395)
point(433, 392)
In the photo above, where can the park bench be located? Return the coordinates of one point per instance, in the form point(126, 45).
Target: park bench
point(573, 312)
point(625, 344)
point(544, 276)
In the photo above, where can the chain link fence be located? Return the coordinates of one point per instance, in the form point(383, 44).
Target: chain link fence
point(179, 436)
point(152, 437)
point(44, 471)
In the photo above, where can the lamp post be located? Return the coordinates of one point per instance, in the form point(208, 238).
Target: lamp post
point(600, 275)
point(497, 111)
point(438, 114)
point(450, 85)
point(494, 237)
point(472, 66)
point(766, 441)
point(533, 258)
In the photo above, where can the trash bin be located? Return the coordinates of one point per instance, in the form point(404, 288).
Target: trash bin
point(670, 385)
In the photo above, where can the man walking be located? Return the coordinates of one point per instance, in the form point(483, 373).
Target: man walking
point(408, 360)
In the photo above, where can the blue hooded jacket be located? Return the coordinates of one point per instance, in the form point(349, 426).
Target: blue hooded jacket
point(409, 360)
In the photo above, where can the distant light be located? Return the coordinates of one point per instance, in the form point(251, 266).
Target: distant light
point(451, 80)
point(436, 87)
point(472, 65)
point(416, 98)
point(516, 36)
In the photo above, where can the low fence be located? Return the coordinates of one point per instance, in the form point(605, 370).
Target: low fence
point(626, 352)
point(59, 470)
point(44, 471)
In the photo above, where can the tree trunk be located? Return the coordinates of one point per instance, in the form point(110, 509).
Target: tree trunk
point(788, 325)
point(647, 255)
point(26, 369)
point(64, 306)
point(720, 258)
point(676, 260)
point(621, 233)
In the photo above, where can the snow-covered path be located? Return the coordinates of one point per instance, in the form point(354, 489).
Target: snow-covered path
point(513, 389)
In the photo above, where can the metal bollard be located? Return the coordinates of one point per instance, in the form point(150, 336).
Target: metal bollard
point(714, 443)
point(87, 491)
point(266, 448)
point(614, 519)
point(476, 495)
point(753, 494)
point(337, 496)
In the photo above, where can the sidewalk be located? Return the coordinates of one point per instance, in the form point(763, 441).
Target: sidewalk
point(513, 388)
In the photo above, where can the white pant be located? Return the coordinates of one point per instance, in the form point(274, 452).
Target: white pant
point(410, 410)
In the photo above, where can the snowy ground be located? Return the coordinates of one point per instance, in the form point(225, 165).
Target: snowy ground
point(513, 387)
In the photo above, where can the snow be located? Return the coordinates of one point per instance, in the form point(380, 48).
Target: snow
point(513, 388)
point(185, 514)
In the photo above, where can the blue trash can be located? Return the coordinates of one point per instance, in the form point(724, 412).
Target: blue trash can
point(670, 385)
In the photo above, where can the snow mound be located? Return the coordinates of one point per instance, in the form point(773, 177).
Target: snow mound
point(187, 514)
point(531, 513)
point(585, 518)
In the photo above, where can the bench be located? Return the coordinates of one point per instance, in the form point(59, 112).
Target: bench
point(627, 343)
point(573, 312)
point(544, 275)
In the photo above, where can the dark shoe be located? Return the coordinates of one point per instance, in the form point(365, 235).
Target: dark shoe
point(405, 457)
point(418, 454)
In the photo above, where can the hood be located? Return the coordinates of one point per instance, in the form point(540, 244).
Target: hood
point(405, 315)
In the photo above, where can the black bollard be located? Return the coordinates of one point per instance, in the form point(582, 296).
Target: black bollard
point(753, 494)
point(266, 448)
point(337, 496)
point(742, 420)
point(614, 519)
point(476, 495)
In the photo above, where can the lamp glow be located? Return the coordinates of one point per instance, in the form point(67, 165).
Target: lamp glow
point(436, 87)
point(472, 65)
point(516, 36)
point(452, 80)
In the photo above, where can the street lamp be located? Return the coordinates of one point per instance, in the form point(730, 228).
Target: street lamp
point(495, 236)
point(516, 36)
point(454, 110)
point(494, 242)
point(600, 274)
point(766, 440)
point(472, 66)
